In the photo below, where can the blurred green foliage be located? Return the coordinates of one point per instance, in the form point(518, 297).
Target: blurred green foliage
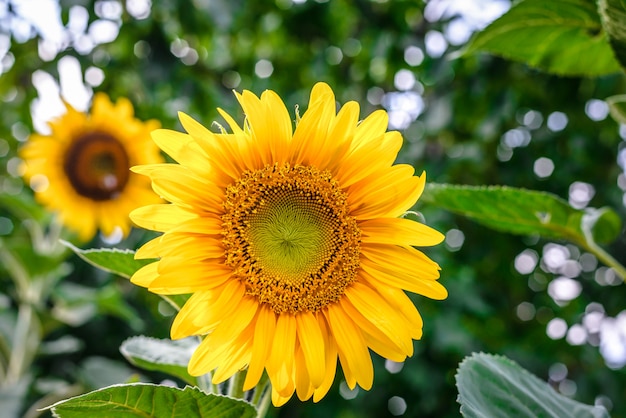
point(189, 56)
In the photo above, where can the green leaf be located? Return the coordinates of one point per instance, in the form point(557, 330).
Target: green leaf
point(148, 400)
point(617, 107)
point(524, 212)
point(551, 36)
point(122, 263)
point(494, 386)
point(613, 16)
point(167, 356)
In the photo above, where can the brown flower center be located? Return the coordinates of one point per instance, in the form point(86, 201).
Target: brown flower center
point(97, 166)
point(289, 237)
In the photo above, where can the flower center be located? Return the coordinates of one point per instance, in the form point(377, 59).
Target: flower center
point(289, 237)
point(97, 166)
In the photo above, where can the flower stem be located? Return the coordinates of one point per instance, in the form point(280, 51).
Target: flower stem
point(588, 221)
point(607, 259)
point(25, 343)
point(260, 389)
point(205, 384)
point(264, 404)
point(235, 388)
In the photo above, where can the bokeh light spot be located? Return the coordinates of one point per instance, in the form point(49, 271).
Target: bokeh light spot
point(556, 328)
point(397, 406)
point(596, 110)
point(557, 121)
point(543, 167)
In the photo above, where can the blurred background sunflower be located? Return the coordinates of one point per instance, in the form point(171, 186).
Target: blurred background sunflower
point(81, 170)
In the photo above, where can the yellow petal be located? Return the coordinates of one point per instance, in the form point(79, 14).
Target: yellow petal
point(341, 133)
point(262, 345)
point(227, 162)
point(304, 389)
point(399, 231)
point(401, 301)
point(204, 310)
point(426, 287)
point(231, 326)
point(234, 358)
point(311, 138)
point(207, 224)
point(403, 261)
point(149, 250)
point(281, 359)
point(190, 246)
point(179, 185)
point(193, 127)
point(279, 400)
point(183, 149)
point(312, 343)
point(234, 126)
point(330, 348)
point(350, 343)
point(178, 276)
point(145, 275)
point(369, 158)
point(371, 128)
point(388, 195)
point(269, 123)
point(161, 217)
point(383, 316)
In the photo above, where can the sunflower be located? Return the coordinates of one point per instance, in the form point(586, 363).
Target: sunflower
point(82, 169)
point(292, 244)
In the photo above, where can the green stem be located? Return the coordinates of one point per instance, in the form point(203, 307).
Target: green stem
point(206, 385)
point(22, 350)
point(264, 405)
point(588, 221)
point(260, 389)
point(235, 387)
point(607, 259)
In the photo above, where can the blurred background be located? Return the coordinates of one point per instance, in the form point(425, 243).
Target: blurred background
point(473, 120)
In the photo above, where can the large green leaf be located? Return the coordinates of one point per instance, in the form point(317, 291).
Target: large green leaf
point(148, 400)
point(525, 212)
point(494, 386)
point(122, 263)
point(167, 356)
point(613, 15)
point(551, 36)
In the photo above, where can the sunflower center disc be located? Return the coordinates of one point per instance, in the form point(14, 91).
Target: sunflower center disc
point(289, 238)
point(97, 166)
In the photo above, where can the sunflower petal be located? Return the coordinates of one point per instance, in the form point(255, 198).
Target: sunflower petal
point(182, 148)
point(262, 345)
point(383, 316)
point(330, 347)
point(281, 359)
point(399, 231)
point(304, 388)
point(161, 217)
point(312, 343)
point(145, 275)
point(350, 342)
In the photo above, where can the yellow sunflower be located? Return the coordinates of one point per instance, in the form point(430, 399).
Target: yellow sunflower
point(291, 242)
point(82, 169)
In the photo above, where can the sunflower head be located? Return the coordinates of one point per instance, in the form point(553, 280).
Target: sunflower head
point(81, 170)
point(292, 243)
